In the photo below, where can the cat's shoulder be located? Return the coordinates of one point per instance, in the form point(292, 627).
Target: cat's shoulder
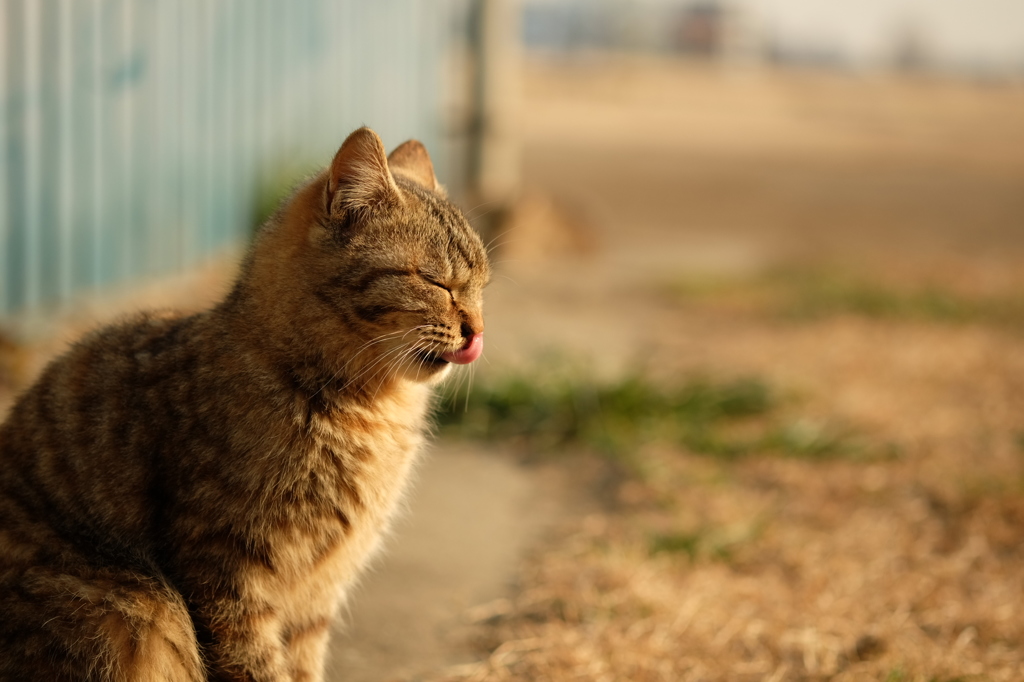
point(140, 331)
point(125, 347)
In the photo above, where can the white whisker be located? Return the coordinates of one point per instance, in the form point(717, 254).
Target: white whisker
point(469, 388)
point(354, 356)
point(384, 358)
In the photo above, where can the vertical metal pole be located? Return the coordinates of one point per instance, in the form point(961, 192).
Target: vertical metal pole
point(81, 143)
point(98, 145)
point(158, 222)
point(207, 71)
point(224, 23)
point(64, 195)
point(47, 193)
point(123, 181)
point(5, 160)
point(140, 169)
point(34, 136)
point(15, 266)
point(176, 149)
point(191, 166)
point(266, 47)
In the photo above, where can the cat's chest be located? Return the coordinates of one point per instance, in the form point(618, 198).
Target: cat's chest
point(344, 490)
point(367, 452)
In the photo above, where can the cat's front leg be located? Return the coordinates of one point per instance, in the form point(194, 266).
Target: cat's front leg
point(307, 648)
point(243, 643)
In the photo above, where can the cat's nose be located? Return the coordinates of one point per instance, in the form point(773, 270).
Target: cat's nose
point(471, 328)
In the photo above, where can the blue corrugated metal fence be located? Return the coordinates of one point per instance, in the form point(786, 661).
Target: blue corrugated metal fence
point(136, 133)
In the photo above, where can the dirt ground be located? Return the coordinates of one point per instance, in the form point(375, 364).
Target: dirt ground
point(694, 184)
point(471, 517)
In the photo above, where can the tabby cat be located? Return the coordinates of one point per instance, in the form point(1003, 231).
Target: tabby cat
point(189, 498)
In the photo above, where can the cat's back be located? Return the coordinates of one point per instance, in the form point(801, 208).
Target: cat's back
point(77, 481)
point(75, 444)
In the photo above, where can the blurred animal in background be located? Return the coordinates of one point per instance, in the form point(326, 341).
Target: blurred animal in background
point(189, 498)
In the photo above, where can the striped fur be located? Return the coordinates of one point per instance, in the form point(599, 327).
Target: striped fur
point(188, 498)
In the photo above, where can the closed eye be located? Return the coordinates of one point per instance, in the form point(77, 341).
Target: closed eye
point(430, 280)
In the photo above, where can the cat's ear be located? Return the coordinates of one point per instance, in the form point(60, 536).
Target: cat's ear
point(411, 160)
point(359, 177)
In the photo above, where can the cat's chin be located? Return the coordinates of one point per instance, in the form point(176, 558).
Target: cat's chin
point(439, 375)
point(432, 374)
point(427, 368)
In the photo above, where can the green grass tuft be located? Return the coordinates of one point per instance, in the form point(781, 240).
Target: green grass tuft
point(715, 543)
point(896, 675)
point(801, 438)
point(687, 544)
point(561, 412)
point(726, 419)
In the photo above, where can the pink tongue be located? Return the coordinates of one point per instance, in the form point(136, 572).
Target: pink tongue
point(468, 353)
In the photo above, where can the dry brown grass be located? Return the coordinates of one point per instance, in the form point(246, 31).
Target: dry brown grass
point(910, 567)
point(906, 567)
point(828, 571)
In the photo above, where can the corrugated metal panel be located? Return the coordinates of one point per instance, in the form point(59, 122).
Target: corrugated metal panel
point(136, 133)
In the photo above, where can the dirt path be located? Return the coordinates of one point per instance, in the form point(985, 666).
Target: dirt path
point(471, 516)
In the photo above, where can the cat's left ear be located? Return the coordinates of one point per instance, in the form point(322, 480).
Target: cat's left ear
point(411, 160)
point(359, 177)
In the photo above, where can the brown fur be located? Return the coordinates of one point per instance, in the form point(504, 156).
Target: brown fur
point(188, 498)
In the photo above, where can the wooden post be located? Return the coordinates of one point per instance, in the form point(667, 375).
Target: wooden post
point(496, 146)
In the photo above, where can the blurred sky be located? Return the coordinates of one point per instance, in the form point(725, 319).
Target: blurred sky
point(982, 34)
point(966, 31)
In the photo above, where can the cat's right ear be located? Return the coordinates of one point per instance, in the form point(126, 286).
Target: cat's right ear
point(412, 160)
point(359, 177)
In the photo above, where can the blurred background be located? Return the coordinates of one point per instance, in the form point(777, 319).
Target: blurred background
point(752, 399)
point(141, 137)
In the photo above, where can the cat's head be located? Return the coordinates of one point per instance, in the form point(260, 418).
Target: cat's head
point(374, 269)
